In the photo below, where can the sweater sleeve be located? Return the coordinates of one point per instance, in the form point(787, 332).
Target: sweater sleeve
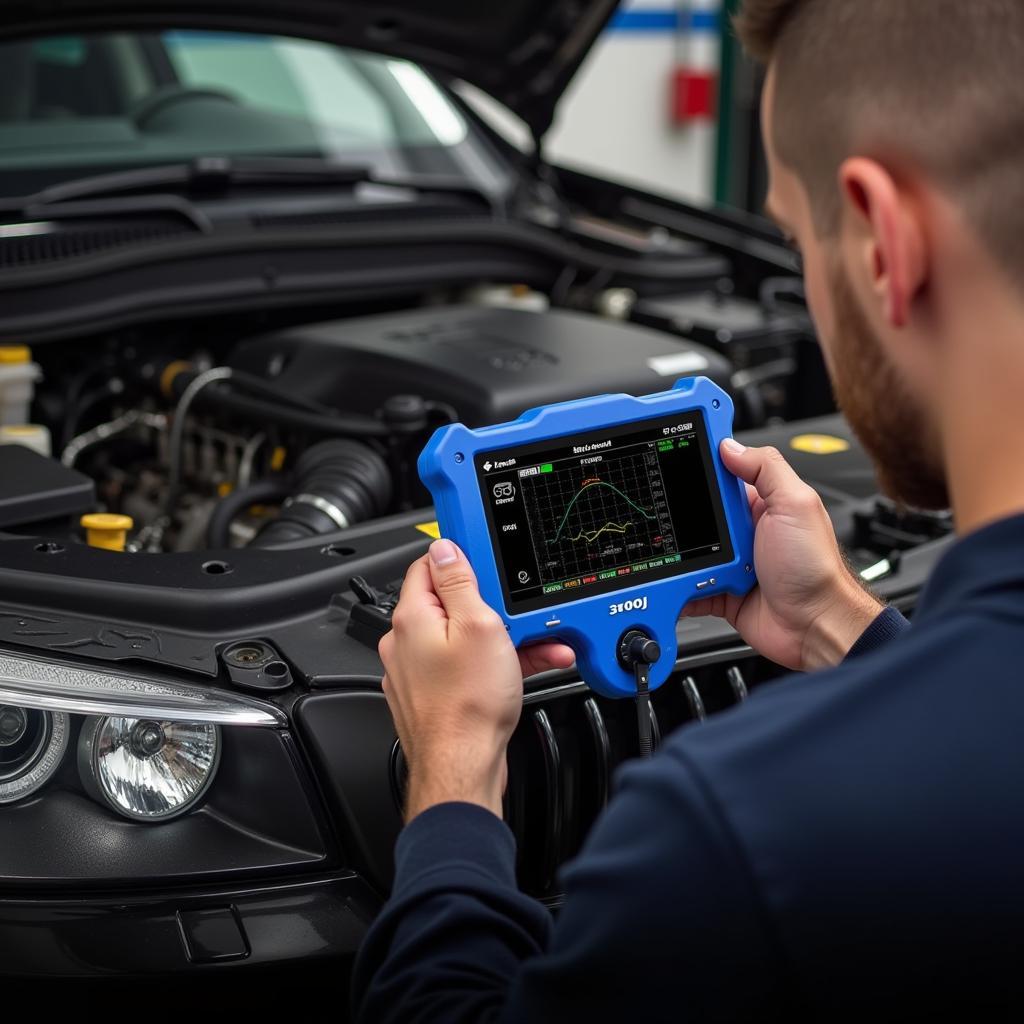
point(889, 625)
point(456, 928)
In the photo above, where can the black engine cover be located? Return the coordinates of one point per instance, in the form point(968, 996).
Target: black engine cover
point(490, 364)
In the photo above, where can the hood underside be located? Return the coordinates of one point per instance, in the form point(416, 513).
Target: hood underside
point(524, 53)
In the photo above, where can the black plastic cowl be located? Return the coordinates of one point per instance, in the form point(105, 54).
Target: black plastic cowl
point(337, 483)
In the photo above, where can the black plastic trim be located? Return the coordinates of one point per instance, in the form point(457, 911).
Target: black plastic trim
point(553, 798)
point(737, 683)
point(179, 277)
point(602, 750)
point(693, 698)
point(117, 936)
point(351, 740)
point(655, 728)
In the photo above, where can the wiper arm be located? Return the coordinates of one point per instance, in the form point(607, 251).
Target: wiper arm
point(212, 175)
point(204, 174)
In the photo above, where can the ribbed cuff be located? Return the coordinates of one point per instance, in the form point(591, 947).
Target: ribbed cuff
point(889, 625)
point(456, 835)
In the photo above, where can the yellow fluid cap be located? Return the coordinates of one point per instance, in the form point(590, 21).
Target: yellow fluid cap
point(13, 354)
point(103, 530)
point(171, 370)
point(819, 444)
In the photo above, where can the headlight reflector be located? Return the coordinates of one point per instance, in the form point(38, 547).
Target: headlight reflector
point(32, 745)
point(148, 769)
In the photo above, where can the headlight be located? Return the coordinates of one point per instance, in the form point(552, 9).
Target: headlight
point(32, 744)
point(148, 749)
point(145, 768)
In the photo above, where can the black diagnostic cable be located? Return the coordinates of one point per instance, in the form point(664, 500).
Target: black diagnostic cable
point(638, 651)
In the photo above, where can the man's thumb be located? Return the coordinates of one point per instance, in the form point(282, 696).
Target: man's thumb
point(454, 579)
point(764, 468)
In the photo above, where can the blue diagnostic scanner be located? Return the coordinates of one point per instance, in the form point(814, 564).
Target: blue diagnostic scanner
point(595, 522)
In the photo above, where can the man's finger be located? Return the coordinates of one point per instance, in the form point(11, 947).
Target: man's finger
point(764, 468)
point(707, 607)
point(417, 600)
point(758, 506)
point(455, 582)
point(698, 609)
point(545, 658)
point(722, 606)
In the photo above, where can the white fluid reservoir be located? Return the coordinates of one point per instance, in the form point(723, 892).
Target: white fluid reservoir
point(18, 377)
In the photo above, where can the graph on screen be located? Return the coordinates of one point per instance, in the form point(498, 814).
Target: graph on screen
point(591, 518)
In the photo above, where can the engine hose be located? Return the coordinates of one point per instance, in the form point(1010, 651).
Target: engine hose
point(269, 491)
point(266, 403)
point(337, 483)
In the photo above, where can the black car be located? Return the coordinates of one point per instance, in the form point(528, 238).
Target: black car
point(251, 256)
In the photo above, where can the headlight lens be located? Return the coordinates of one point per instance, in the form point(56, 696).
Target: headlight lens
point(148, 769)
point(32, 744)
point(48, 686)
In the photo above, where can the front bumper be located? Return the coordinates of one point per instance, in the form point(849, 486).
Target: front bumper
point(189, 934)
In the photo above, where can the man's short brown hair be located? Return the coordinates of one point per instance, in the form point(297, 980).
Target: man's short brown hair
point(932, 86)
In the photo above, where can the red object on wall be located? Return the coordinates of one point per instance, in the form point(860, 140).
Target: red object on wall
point(694, 95)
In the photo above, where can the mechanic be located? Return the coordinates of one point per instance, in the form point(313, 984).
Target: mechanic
point(850, 841)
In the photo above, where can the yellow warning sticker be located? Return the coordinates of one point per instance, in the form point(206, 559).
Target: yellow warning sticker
point(819, 444)
point(430, 529)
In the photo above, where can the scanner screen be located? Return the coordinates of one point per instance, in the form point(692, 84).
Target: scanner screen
point(609, 510)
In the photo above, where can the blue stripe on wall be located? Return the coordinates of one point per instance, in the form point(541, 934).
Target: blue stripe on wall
point(667, 19)
point(638, 20)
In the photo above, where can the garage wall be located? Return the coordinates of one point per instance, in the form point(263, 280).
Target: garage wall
point(616, 119)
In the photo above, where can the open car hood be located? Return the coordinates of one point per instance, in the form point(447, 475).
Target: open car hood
point(522, 52)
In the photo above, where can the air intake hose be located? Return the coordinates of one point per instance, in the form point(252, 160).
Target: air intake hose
point(337, 484)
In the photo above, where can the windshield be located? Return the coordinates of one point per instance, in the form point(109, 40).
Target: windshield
point(79, 105)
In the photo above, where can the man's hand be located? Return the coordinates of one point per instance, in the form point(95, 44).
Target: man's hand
point(808, 609)
point(454, 683)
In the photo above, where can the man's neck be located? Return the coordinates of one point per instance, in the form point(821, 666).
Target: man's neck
point(983, 421)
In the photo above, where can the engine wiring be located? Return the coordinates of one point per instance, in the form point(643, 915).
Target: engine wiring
point(104, 431)
point(205, 379)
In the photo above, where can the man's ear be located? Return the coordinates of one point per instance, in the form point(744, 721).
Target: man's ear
point(890, 235)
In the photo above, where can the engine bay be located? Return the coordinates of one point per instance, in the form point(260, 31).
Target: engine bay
point(307, 429)
point(280, 434)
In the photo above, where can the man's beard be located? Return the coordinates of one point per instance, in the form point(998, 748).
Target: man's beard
point(889, 423)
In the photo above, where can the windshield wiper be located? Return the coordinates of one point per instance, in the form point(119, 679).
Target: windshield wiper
point(212, 175)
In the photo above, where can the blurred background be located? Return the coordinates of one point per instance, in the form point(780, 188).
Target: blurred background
point(666, 101)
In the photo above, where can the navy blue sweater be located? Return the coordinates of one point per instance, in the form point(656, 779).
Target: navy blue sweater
point(843, 845)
